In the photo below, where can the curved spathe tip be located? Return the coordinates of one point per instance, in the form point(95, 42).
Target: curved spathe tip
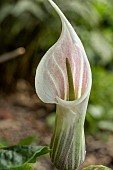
point(51, 77)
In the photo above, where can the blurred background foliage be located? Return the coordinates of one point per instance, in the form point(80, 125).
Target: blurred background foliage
point(34, 25)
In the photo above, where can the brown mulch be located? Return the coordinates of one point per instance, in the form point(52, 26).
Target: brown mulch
point(22, 114)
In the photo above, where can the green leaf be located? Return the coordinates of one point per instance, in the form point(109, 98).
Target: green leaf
point(28, 140)
point(97, 167)
point(3, 142)
point(16, 156)
point(1, 146)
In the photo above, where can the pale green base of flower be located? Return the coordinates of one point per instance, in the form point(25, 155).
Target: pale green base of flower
point(68, 143)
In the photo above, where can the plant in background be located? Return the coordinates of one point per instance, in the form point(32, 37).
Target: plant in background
point(63, 77)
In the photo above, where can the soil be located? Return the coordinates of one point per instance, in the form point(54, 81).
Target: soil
point(22, 114)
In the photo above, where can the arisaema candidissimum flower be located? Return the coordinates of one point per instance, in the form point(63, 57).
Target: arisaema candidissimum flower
point(63, 77)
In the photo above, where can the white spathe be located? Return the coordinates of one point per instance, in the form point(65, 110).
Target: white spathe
point(52, 86)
